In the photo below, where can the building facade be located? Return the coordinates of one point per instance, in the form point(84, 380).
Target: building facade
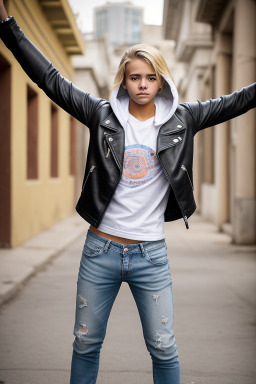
point(37, 146)
point(215, 55)
point(120, 22)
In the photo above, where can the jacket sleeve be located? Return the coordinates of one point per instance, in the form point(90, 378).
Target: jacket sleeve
point(216, 111)
point(64, 93)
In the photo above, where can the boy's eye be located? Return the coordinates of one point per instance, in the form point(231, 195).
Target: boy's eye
point(134, 78)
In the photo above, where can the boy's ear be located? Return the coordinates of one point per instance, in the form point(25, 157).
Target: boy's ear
point(124, 86)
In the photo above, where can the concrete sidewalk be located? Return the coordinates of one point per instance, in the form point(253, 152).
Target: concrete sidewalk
point(19, 264)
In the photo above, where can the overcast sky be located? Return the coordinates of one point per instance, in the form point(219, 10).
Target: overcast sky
point(153, 11)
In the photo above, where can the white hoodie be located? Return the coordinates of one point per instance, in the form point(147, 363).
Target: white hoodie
point(137, 209)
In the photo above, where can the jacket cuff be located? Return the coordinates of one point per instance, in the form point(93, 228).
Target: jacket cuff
point(4, 26)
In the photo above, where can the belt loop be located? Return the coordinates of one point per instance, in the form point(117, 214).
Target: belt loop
point(142, 250)
point(107, 245)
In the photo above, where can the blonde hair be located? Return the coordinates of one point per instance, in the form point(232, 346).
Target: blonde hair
point(145, 52)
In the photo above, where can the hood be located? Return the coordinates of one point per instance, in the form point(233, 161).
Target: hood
point(165, 101)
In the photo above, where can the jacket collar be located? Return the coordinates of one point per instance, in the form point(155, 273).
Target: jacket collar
point(115, 137)
point(170, 134)
point(111, 122)
point(173, 127)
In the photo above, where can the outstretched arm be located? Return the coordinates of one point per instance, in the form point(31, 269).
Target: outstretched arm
point(73, 100)
point(216, 111)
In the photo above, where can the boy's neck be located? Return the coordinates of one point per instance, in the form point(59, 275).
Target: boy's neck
point(142, 112)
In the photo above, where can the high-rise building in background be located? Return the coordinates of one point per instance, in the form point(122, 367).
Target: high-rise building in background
point(120, 22)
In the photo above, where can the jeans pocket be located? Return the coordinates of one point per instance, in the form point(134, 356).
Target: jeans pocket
point(157, 256)
point(91, 250)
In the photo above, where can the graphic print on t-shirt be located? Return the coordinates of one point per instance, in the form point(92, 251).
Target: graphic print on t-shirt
point(140, 165)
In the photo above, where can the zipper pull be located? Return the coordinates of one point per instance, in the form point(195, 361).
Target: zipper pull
point(186, 221)
point(107, 149)
point(183, 167)
point(90, 171)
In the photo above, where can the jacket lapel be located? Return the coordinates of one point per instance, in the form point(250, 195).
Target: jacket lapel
point(111, 122)
point(114, 134)
point(170, 134)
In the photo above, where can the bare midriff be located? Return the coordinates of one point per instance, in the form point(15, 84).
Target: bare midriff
point(116, 239)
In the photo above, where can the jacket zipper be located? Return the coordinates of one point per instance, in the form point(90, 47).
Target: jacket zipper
point(170, 181)
point(107, 149)
point(183, 167)
point(117, 181)
point(90, 171)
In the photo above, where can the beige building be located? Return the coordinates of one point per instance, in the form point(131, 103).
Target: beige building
point(37, 146)
point(215, 55)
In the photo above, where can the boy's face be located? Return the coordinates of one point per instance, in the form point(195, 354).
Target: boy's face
point(140, 81)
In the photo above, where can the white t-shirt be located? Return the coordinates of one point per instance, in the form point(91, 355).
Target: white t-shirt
point(138, 205)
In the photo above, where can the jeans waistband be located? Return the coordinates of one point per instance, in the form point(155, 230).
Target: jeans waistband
point(134, 248)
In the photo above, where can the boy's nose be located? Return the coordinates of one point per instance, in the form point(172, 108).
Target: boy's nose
point(143, 85)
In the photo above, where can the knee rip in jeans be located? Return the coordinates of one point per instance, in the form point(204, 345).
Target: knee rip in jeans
point(158, 341)
point(156, 297)
point(164, 320)
point(83, 331)
point(84, 301)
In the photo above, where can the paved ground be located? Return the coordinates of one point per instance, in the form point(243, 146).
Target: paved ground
point(19, 264)
point(215, 318)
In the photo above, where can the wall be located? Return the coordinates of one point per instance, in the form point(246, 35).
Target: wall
point(37, 203)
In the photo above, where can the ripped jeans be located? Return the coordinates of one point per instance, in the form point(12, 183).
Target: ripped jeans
point(104, 266)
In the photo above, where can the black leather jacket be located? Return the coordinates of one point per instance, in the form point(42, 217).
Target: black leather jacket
point(106, 149)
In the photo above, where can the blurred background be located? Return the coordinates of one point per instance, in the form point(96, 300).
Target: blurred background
point(210, 48)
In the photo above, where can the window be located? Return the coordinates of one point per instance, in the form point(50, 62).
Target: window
point(54, 141)
point(32, 134)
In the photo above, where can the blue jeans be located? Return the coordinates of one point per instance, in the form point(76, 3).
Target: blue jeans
point(104, 266)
